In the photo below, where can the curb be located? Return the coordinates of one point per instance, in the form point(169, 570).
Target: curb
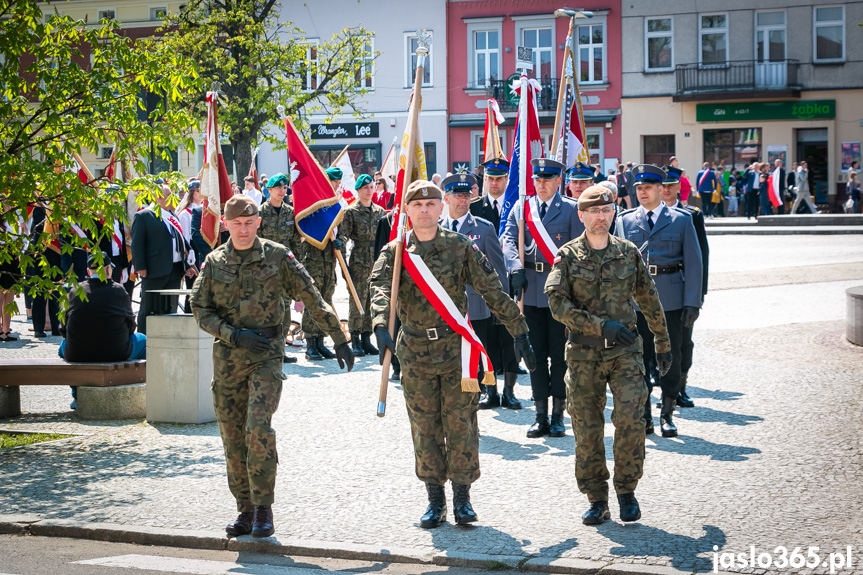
point(216, 541)
point(753, 230)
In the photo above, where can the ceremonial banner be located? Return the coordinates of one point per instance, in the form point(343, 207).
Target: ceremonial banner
point(390, 168)
point(576, 143)
point(491, 139)
point(343, 162)
point(412, 145)
point(215, 185)
point(318, 208)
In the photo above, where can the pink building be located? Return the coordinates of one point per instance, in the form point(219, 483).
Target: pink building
point(482, 41)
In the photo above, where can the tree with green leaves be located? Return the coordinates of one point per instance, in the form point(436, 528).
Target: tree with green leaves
point(68, 87)
point(260, 63)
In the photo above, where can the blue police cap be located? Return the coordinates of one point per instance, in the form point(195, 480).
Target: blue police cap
point(460, 183)
point(648, 173)
point(672, 175)
point(580, 171)
point(496, 168)
point(546, 168)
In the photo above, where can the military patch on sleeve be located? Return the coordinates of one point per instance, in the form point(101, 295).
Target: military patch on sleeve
point(486, 265)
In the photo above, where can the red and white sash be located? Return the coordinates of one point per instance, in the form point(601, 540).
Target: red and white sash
point(537, 231)
point(703, 177)
point(472, 350)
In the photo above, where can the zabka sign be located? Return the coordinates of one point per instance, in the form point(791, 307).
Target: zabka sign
point(334, 131)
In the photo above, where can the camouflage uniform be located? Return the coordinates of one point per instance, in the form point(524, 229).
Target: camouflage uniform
point(360, 224)
point(321, 265)
point(584, 290)
point(248, 292)
point(443, 417)
point(279, 226)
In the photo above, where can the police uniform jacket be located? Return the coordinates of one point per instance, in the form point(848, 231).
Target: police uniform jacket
point(672, 241)
point(484, 235)
point(562, 224)
point(701, 232)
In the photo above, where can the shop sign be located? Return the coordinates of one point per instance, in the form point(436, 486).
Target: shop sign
point(352, 130)
point(749, 111)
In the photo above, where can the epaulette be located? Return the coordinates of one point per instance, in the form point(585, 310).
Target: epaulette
point(483, 220)
point(682, 210)
point(624, 212)
point(476, 199)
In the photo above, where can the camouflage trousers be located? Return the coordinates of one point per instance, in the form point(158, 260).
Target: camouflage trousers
point(443, 421)
point(356, 322)
point(324, 275)
point(585, 391)
point(245, 396)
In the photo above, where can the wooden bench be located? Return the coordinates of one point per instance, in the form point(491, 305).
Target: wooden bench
point(56, 371)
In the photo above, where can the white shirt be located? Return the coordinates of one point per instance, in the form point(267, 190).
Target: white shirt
point(167, 216)
point(255, 195)
point(460, 221)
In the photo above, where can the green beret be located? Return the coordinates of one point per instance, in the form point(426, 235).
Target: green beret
point(277, 180)
point(422, 190)
point(363, 180)
point(240, 206)
point(334, 173)
point(595, 196)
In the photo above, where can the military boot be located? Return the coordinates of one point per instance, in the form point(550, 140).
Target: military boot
point(357, 345)
point(668, 427)
point(368, 347)
point(326, 352)
point(263, 525)
point(648, 417)
point(461, 507)
point(242, 526)
point(597, 514)
point(683, 399)
point(436, 512)
point(312, 348)
point(508, 399)
point(557, 429)
point(490, 399)
point(629, 508)
point(540, 426)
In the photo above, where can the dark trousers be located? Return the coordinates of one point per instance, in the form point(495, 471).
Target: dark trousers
point(766, 207)
point(498, 344)
point(686, 348)
point(670, 382)
point(150, 302)
point(548, 339)
point(707, 203)
point(38, 305)
point(751, 204)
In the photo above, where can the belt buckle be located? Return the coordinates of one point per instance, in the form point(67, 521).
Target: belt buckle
point(431, 334)
point(651, 270)
point(605, 342)
point(539, 267)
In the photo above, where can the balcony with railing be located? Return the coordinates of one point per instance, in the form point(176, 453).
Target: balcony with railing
point(737, 79)
point(501, 90)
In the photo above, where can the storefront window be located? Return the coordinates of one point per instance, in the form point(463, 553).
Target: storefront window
point(735, 148)
point(363, 160)
point(658, 149)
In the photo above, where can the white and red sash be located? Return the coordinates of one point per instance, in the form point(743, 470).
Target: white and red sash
point(472, 350)
point(537, 231)
point(703, 177)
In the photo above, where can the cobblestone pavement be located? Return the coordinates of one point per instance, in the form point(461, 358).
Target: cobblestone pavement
point(771, 456)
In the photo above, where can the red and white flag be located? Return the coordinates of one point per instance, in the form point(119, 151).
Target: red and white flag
point(576, 143)
point(348, 178)
point(773, 182)
point(215, 185)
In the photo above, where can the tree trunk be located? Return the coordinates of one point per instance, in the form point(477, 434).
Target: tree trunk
point(242, 144)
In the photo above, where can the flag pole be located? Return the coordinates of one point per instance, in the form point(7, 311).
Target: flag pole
point(564, 98)
point(423, 42)
point(339, 157)
point(561, 92)
point(347, 277)
point(522, 170)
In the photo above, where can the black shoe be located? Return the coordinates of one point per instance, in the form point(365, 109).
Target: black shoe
point(668, 427)
point(597, 514)
point(325, 352)
point(40, 334)
point(367, 345)
point(508, 399)
point(648, 418)
point(263, 525)
point(312, 352)
point(520, 370)
point(490, 399)
point(436, 512)
point(629, 509)
point(356, 345)
point(461, 507)
point(557, 428)
point(55, 332)
point(540, 427)
point(683, 400)
point(242, 526)
point(289, 359)
point(396, 376)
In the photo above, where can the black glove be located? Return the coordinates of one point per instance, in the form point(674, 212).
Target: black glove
point(689, 315)
point(517, 283)
point(344, 355)
point(248, 339)
point(338, 244)
point(523, 351)
point(615, 332)
point(663, 362)
point(384, 342)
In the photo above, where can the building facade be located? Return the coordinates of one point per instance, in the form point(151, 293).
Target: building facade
point(735, 84)
point(483, 38)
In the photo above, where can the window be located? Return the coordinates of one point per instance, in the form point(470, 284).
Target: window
point(594, 145)
point(713, 45)
point(486, 54)
point(539, 40)
point(477, 153)
point(107, 15)
point(829, 30)
point(172, 162)
point(431, 158)
point(309, 70)
point(411, 45)
point(105, 153)
point(158, 13)
point(365, 73)
point(658, 149)
point(736, 148)
point(658, 49)
point(591, 53)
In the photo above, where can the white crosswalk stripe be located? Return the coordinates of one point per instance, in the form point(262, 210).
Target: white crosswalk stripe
point(198, 566)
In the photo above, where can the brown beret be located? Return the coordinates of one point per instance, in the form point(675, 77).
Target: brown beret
point(595, 196)
point(240, 206)
point(422, 190)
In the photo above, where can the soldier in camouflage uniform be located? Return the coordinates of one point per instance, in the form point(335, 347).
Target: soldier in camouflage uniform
point(360, 224)
point(443, 415)
point(239, 299)
point(321, 265)
point(277, 225)
point(590, 290)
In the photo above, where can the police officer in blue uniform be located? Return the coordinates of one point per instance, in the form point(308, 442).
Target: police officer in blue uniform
point(667, 241)
point(493, 335)
point(670, 195)
point(490, 204)
point(559, 217)
point(579, 178)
